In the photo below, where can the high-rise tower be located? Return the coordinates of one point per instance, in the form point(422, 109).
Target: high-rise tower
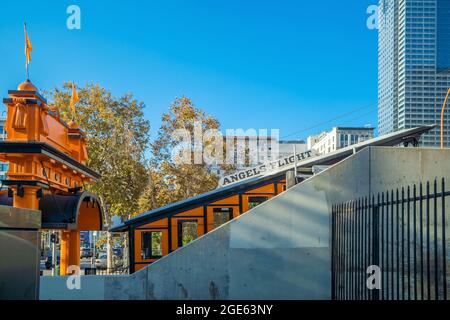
point(413, 65)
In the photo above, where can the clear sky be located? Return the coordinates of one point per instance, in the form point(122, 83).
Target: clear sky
point(286, 65)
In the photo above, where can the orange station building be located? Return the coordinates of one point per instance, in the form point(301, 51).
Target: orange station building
point(47, 170)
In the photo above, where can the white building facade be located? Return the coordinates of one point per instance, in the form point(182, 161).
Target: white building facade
point(337, 138)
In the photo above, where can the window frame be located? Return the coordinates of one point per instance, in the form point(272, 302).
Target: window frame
point(254, 197)
point(151, 256)
point(229, 211)
point(180, 230)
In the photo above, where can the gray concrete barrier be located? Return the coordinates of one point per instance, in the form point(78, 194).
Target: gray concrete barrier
point(278, 250)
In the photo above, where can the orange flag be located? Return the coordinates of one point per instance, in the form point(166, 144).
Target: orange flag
point(28, 47)
point(74, 99)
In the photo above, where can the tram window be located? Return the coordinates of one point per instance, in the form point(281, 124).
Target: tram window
point(222, 215)
point(151, 244)
point(255, 201)
point(187, 231)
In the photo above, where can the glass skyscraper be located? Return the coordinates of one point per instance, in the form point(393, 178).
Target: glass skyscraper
point(413, 66)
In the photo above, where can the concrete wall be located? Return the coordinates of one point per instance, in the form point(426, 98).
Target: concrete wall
point(122, 287)
point(19, 253)
point(278, 250)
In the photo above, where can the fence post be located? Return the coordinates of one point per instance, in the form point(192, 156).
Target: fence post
point(444, 241)
point(375, 242)
point(333, 252)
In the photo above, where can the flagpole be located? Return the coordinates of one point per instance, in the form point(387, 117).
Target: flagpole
point(26, 61)
point(72, 102)
point(73, 113)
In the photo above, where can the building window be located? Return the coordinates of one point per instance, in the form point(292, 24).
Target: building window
point(255, 201)
point(222, 215)
point(57, 177)
point(187, 232)
point(151, 244)
point(3, 167)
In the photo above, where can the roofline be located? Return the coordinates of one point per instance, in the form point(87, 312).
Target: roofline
point(387, 140)
point(43, 148)
point(193, 202)
point(355, 128)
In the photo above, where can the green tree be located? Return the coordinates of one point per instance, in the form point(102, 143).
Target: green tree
point(170, 181)
point(117, 138)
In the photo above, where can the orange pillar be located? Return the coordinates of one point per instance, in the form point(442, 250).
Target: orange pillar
point(70, 250)
point(65, 249)
point(29, 200)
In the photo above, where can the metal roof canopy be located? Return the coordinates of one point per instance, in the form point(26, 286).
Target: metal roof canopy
point(60, 211)
point(406, 136)
point(42, 148)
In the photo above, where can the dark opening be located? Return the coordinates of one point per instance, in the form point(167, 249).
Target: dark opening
point(255, 201)
point(151, 244)
point(187, 232)
point(222, 215)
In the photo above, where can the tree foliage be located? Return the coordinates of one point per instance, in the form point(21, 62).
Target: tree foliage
point(117, 138)
point(170, 181)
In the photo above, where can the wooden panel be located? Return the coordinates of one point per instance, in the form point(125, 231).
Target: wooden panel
point(281, 187)
point(193, 212)
point(229, 200)
point(156, 224)
point(264, 189)
point(139, 266)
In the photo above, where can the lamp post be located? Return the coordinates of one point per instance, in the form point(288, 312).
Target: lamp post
point(442, 118)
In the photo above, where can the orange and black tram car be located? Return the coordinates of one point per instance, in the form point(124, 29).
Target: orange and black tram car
point(156, 233)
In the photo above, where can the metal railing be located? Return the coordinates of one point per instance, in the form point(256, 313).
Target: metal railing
point(403, 232)
point(107, 271)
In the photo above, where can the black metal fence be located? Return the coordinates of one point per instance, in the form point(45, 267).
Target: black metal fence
point(403, 232)
point(107, 271)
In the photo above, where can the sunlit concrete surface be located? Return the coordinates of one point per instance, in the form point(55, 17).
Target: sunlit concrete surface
point(278, 250)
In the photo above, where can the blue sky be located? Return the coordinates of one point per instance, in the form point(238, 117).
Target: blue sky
point(287, 65)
